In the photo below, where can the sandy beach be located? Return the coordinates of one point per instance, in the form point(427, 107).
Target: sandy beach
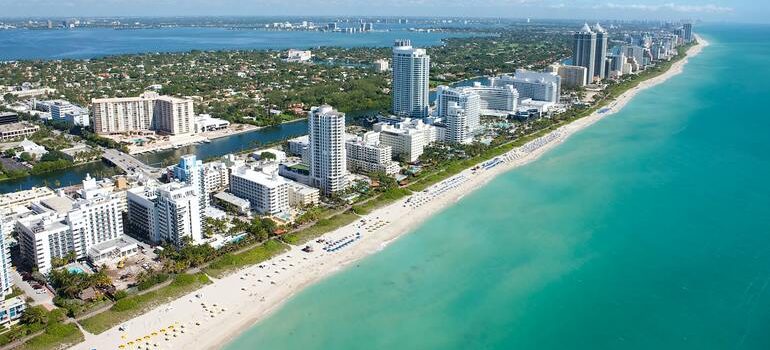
point(214, 315)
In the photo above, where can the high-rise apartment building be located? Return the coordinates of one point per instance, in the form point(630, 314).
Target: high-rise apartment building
point(190, 171)
point(584, 50)
point(411, 74)
point(150, 111)
point(166, 213)
point(460, 109)
point(328, 167)
point(6, 283)
point(602, 40)
point(687, 29)
point(62, 225)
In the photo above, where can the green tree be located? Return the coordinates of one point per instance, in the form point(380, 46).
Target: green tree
point(34, 315)
point(27, 157)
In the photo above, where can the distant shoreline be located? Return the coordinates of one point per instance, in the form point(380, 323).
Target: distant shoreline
point(246, 301)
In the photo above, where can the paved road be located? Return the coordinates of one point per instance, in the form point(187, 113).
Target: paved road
point(128, 163)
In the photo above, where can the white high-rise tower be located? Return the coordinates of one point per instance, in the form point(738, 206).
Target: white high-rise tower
point(328, 167)
point(411, 73)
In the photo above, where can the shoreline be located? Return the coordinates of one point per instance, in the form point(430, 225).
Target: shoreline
point(235, 303)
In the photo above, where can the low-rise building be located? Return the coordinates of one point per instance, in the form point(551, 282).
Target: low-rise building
point(17, 130)
point(8, 118)
point(119, 248)
point(205, 122)
point(228, 201)
point(11, 310)
point(23, 198)
point(31, 148)
point(303, 195)
point(298, 55)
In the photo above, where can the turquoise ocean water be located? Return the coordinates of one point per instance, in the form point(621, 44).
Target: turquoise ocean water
point(649, 230)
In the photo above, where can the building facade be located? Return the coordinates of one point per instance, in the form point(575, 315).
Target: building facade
point(365, 157)
point(63, 225)
point(150, 111)
point(584, 50)
point(267, 193)
point(496, 101)
point(165, 213)
point(407, 138)
point(410, 85)
point(573, 76)
point(6, 283)
point(328, 166)
point(602, 40)
point(538, 86)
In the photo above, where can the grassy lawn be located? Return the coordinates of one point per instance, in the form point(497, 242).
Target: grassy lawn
point(321, 227)
point(132, 306)
point(229, 262)
point(56, 336)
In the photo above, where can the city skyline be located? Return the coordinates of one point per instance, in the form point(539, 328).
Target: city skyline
point(716, 10)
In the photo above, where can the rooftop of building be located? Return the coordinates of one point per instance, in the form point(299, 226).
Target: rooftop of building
point(119, 243)
point(231, 198)
point(59, 204)
point(16, 126)
point(267, 180)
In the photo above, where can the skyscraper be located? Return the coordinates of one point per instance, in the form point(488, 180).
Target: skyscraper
point(411, 72)
point(687, 27)
point(601, 51)
point(328, 167)
point(584, 50)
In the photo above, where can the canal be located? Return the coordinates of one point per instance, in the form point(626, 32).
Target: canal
point(215, 148)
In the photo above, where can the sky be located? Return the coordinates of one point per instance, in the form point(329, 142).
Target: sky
point(756, 11)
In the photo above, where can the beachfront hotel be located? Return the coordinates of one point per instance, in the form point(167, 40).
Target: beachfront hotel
point(326, 149)
point(407, 138)
point(411, 74)
point(267, 193)
point(496, 100)
point(148, 112)
point(60, 225)
point(165, 213)
point(368, 155)
point(538, 86)
point(460, 110)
